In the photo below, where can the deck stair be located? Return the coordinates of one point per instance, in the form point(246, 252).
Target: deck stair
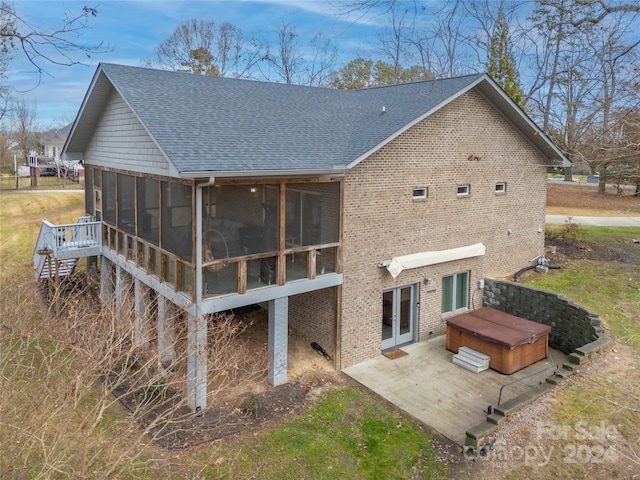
point(471, 360)
point(59, 247)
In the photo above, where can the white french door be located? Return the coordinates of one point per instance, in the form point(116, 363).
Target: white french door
point(399, 314)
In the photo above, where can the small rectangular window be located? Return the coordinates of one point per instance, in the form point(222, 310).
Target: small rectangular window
point(420, 193)
point(463, 190)
point(501, 187)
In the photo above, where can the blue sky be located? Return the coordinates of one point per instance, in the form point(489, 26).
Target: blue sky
point(133, 29)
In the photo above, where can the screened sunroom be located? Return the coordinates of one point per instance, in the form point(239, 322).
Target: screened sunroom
point(250, 235)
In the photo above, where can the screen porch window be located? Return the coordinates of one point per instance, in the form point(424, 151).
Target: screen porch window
point(455, 292)
point(109, 197)
point(148, 205)
point(126, 204)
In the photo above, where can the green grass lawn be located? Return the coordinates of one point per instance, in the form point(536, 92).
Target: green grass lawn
point(345, 434)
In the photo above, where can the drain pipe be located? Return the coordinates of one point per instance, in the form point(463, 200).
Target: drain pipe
point(516, 277)
point(542, 261)
point(198, 285)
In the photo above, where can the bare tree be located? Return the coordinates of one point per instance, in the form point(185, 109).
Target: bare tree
point(322, 60)
point(24, 115)
point(595, 11)
point(53, 46)
point(204, 48)
point(293, 63)
point(392, 40)
point(615, 55)
point(287, 60)
point(441, 47)
point(70, 389)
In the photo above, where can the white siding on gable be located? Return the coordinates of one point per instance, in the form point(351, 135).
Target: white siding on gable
point(120, 141)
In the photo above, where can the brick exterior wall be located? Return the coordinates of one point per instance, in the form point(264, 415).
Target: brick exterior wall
point(465, 142)
point(314, 315)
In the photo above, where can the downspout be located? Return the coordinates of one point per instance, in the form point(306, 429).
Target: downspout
point(199, 232)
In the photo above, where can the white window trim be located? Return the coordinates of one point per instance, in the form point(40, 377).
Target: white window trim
point(467, 191)
point(501, 188)
point(454, 292)
point(420, 196)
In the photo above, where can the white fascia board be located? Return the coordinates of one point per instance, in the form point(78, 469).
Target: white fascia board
point(535, 130)
point(83, 106)
point(336, 172)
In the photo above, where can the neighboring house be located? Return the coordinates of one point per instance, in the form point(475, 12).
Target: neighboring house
point(360, 218)
point(53, 141)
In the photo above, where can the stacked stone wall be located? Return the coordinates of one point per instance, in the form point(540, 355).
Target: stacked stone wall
point(573, 327)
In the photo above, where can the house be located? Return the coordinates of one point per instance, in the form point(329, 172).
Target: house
point(360, 218)
point(52, 141)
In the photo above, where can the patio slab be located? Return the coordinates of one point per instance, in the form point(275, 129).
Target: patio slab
point(426, 384)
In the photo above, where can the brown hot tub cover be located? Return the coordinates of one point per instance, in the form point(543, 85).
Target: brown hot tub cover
point(499, 327)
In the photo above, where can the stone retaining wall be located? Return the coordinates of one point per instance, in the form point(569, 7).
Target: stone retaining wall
point(572, 326)
point(575, 331)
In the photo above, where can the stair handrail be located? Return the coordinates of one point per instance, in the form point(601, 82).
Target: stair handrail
point(44, 247)
point(52, 238)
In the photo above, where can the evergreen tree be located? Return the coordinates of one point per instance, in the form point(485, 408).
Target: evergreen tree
point(502, 64)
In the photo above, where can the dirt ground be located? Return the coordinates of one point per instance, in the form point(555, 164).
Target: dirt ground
point(576, 200)
point(251, 404)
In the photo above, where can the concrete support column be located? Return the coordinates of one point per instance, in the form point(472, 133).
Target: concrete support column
point(92, 264)
point(278, 340)
point(197, 362)
point(106, 280)
point(142, 322)
point(166, 337)
point(122, 287)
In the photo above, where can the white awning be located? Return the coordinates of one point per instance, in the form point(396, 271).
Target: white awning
point(405, 262)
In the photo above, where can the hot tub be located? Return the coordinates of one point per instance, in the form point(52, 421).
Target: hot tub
point(511, 342)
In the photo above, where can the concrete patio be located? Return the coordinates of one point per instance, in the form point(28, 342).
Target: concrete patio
point(427, 385)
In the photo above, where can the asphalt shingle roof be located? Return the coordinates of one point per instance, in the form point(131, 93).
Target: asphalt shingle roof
point(212, 124)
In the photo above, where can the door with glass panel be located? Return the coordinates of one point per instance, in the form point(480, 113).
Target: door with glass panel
point(399, 313)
